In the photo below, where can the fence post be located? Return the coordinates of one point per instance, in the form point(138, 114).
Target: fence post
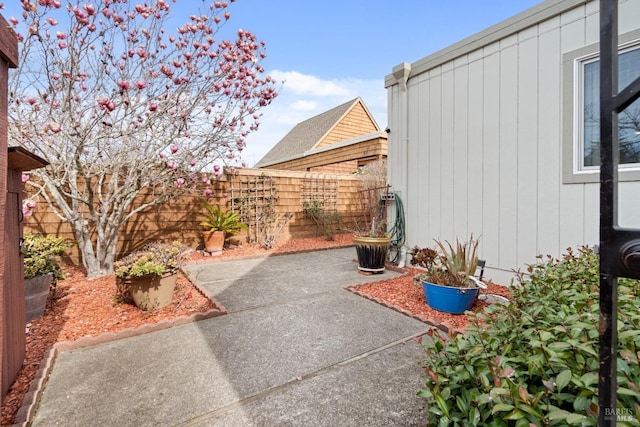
point(8, 59)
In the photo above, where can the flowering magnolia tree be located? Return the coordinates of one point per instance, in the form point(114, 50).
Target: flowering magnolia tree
point(119, 106)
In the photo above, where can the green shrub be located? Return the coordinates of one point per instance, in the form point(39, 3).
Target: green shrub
point(535, 361)
point(41, 255)
point(155, 258)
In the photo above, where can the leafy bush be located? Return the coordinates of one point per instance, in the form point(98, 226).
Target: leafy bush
point(154, 258)
point(535, 361)
point(41, 255)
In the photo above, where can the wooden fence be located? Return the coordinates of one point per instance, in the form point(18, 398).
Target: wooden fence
point(255, 193)
point(12, 340)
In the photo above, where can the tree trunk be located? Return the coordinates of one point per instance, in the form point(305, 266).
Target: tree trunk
point(97, 261)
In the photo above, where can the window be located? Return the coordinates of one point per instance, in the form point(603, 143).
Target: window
point(628, 120)
point(581, 113)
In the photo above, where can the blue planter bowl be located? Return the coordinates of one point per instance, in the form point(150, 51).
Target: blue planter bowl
point(449, 299)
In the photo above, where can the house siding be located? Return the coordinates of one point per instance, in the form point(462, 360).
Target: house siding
point(355, 123)
point(342, 159)
point(476, 140)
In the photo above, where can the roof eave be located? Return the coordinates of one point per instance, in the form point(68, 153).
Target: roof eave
point(345, 143)
point(506, 28)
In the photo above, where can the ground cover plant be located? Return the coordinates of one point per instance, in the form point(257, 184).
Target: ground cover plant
point(535, 361)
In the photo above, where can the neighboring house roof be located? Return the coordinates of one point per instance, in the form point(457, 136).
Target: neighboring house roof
point(310, 133)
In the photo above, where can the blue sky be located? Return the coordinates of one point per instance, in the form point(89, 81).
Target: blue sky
point(329, 52)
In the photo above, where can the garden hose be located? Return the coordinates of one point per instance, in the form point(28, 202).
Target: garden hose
point(397, 232)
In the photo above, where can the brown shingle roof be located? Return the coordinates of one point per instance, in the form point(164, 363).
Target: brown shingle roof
point(305, 135)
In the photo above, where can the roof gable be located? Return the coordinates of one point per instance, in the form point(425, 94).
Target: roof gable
point(345, 121)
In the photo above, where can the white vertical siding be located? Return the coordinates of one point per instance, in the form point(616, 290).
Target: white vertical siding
point(447, 157)
point(474, 213)
point(434, 161)
point(461, 152)
point(549, 142)
point(485, 143)
point(490, 204)
point(508, 158)
point(527, 164)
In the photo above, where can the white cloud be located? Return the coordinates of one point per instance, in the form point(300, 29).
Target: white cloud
point(303, 84)
point(305, 105)
point(305, 96)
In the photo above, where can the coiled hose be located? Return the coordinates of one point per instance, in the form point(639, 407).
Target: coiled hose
point(397, 232)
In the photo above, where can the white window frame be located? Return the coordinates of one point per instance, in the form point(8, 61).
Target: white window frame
point(574, 170)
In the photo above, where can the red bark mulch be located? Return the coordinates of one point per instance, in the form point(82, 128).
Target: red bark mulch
point(86, 308)
point(402, 294)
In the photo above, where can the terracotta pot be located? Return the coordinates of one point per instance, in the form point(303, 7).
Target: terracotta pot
point(372, 253)
point(152, 291)
point(36, 291)
point(213, 240)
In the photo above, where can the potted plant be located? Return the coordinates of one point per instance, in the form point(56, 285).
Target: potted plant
point(449, 283)
point(41, 270)
point(148, 275)
point(218, 226)
point(372, 240)
point(372, 247)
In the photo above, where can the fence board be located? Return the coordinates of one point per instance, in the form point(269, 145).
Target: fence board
point(180, 218)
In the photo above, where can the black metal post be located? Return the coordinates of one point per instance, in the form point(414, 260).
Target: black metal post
point(608, 211)
point(619, 247)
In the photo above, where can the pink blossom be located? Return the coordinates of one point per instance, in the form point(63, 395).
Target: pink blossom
point(141, 84)
point(142, 53)
point(171, 164)
point(124, 84)
point(53, 127)
point(225, 195)
point(174, 149)
point(32, 100)
point(193, 162)
point(89, 8)
point(216, 168)
point(61, 35)
point(180, 182)
point(25, 178)
point(14, 21)
point(62, 45)
point(27, 207)
point(52, 21)
point(153, 106)
point(208, 192)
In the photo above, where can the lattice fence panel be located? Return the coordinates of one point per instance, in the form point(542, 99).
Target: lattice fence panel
point(320, 201)
point(254, 198)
